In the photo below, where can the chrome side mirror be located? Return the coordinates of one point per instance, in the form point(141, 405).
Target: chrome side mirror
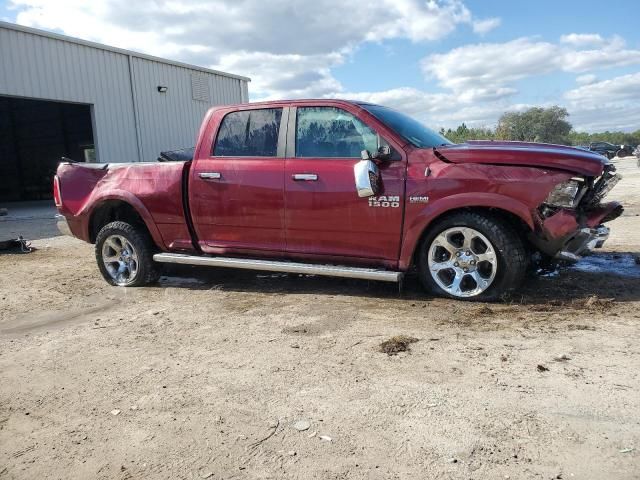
point(367, 177)
point(365, 155)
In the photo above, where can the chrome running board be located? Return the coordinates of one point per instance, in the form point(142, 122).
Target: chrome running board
point(274, 266)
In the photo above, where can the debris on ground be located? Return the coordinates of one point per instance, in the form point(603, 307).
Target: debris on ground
point(17, 245)
point(275, 429)
point(542, 368)
point(594, 302)
point(291, 453)
point(302, 425)
point(573, 326)
point(115, 412)
point(325, 438)
point(562, 358)
point(626, 450)
point(397, 344)
point(484, 311)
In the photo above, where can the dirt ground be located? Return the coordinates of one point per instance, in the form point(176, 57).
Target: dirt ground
point(208, 374)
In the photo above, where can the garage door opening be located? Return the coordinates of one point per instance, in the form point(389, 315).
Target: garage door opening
point(34, 134)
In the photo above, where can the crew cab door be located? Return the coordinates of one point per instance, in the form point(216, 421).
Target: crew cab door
point(236, 186)
point(324, 214)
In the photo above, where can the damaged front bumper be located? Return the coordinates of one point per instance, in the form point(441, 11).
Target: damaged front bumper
point(583, 242)
point(567, 236)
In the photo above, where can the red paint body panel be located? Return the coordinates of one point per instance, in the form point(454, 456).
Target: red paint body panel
point(244, 208)
point(326, 217)
point(597, 215)
point(154, 190)
point(256, 209)
point(560, 225)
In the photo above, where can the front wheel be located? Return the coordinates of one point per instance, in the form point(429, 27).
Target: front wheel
point(472, 256)
point(125, 255)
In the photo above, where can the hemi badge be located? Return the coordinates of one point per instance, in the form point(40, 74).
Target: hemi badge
point(418, 199)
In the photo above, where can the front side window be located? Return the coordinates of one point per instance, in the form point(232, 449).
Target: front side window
point(332, 132)
point(249, 133)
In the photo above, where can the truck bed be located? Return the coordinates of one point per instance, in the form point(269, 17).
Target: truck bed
point(158, 187)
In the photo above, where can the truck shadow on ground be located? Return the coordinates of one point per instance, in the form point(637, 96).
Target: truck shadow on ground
point(565, 285)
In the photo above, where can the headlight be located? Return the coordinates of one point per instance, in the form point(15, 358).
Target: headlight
point(564, 194)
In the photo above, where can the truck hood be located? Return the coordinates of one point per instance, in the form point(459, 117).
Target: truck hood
point(525, 154)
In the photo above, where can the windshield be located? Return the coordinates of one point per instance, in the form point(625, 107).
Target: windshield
point(410, 129)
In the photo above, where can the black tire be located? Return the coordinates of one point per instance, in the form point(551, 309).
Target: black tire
point(511, 253)
point(147, 271)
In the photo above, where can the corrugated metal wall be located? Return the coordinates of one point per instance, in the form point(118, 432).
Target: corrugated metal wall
point(38, 66)
point(171, 120)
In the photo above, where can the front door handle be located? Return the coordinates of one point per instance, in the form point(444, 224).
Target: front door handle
point(210, 175)
point(305, 177)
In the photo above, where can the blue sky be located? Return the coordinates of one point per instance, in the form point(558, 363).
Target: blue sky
point(397, 61)
point(444, 61)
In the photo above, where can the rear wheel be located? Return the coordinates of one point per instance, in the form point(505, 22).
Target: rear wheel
point(125, 255)
point(471, 256)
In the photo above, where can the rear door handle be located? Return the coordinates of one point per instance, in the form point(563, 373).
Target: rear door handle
point(210, 175)
point(305, 177)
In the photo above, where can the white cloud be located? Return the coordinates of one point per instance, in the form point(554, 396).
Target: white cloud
point(582, 39)
point(285, 76)
point(586, 79)
point(612, 104)
point(623, 88)
point(491, 64)
point(485, 26)
point(478, 108)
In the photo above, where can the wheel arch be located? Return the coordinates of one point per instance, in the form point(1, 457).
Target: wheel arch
point(119, 208)
point(512, 212)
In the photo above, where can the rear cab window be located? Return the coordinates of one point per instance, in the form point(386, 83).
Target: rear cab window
point(249, 133)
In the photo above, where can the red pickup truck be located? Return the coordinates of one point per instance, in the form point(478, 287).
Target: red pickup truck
point(340, 188)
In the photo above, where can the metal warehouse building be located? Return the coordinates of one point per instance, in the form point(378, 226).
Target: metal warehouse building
point(61, 96)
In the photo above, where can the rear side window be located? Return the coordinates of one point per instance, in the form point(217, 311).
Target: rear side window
point(332, 132)
point(249, 133)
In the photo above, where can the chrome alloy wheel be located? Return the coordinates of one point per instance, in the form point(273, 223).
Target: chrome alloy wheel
point(462, 262)
point(120, 259)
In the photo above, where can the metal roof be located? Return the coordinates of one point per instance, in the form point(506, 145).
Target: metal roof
point(65, 38)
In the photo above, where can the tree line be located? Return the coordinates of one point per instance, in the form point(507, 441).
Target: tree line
point(546, 125)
